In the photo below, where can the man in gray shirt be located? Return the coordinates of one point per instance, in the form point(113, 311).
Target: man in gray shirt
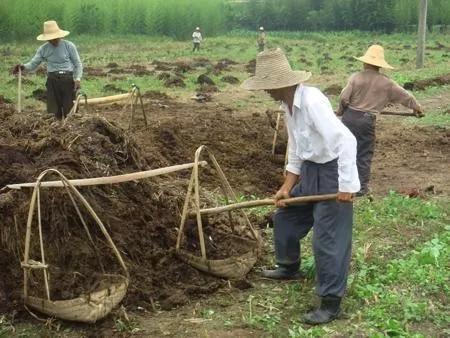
point(64, 68)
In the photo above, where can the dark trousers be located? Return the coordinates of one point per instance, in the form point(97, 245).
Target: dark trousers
point(362, 125)
point(60, 94)
point(196, 46)
point(331, 222)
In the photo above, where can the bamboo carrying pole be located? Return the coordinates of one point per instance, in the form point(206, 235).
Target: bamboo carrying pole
point(267, 201)
point(111, 179)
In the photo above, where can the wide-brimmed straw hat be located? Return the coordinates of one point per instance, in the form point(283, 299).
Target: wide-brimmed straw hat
point(273, 71)
point(375, 56)
point(52, 31)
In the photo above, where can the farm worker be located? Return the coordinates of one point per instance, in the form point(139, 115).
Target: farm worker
point(64, 68)
point(196, 39)
point(261, 39)
point(367, 93)
point(321, 160)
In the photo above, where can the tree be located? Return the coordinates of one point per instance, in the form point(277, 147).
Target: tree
point(421, 34)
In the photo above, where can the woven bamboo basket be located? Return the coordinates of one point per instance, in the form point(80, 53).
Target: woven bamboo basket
point(86, 308)
point(235, 267)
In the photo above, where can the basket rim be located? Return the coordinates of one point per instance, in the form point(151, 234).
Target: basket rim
point(125, 281)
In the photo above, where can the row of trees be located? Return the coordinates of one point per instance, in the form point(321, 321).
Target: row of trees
point(21, 19)
point(380, 15)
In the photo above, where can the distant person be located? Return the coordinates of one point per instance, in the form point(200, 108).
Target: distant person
point(261, 39)
point(321, 160)
point(367, 93)
point(196, 39)
point(64, 69)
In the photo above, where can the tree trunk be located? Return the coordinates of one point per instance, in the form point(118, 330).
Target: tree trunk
point(421, 33)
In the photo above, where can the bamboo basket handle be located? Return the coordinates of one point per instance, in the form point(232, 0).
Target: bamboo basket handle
point(185, 211)
point(197, 201)
point(35, 197)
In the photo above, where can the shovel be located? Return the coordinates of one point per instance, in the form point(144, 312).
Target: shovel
point(267, 201)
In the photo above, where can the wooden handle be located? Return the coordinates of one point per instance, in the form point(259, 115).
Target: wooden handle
point(392, 113)
point(111, 179)
point(19, 91)
point(267, 201)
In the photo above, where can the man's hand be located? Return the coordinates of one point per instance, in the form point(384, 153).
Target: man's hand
point(344, 196)
point(279, 196)
point(76, 85)
point(419, 112)
point(15, 69)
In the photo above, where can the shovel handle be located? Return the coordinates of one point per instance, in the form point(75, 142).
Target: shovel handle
point(267, 201)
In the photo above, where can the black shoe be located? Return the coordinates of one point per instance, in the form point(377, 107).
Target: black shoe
point(328, 311)
point(282, 273)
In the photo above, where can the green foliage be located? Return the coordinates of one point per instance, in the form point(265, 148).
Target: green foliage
point(20, 19)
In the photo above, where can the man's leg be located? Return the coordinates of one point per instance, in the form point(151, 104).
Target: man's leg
point(362, 125)
point(67, 94)
point(291, 224)
point(332, 241)
point(52, 94)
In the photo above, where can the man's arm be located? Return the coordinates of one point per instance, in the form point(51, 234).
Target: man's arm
point(292, 171)
point(76, 61)
point(344, 99)
point(338, 136)
point(399, 95)
point(35, 61)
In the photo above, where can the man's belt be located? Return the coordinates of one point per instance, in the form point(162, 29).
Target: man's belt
point(61, 72)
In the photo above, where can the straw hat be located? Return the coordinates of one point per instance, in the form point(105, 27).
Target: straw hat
point(52, 31)
point(375, 56)
point(273, 71)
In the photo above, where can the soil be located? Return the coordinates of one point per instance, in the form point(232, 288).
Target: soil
point(230, 79)
point(441, 80)
point(205, 79)
point(90, 147)
point(333, 89)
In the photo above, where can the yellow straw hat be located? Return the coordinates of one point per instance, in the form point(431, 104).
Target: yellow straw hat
point(52, 31)
point(273, 71)
point(375, 56)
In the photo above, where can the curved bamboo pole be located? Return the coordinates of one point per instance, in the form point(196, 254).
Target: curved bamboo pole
point(111, 179)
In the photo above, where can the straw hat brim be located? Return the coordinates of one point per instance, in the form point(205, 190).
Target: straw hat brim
point(374, 62)
point(276, 81)
point(57, 35)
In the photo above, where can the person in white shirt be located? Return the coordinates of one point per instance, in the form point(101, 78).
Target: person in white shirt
point(321, 160)
point(196, 39)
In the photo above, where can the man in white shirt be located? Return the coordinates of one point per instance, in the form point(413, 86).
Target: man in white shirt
point(321, 160)
point(196, 39)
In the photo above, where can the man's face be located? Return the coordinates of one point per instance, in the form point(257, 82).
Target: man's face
point(55, 42)
point(275, 94)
